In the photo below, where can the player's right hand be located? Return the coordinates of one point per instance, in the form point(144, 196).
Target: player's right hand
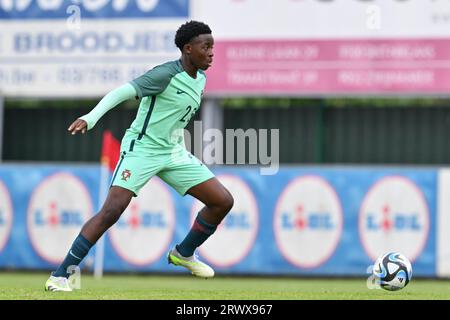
point(78, 125)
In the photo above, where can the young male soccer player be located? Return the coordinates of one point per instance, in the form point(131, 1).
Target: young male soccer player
point(154, 145)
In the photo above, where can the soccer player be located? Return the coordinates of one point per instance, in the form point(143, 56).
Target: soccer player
point(170, 95)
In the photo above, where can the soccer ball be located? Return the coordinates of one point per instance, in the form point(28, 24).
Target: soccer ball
point(392, 271)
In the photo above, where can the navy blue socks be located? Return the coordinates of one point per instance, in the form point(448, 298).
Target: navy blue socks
point(77, 252)
point(200, 231)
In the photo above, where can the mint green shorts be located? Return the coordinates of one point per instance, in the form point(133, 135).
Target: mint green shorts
point(181, 170)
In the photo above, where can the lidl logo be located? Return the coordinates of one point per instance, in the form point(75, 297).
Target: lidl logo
point(308, 221)
point(235, 236)
point(237, 220)
point(64, 217)
point(142, 218)
point(58, 208)
point(390, 220)
point(144, 231)
point(302, 220)
point(394, 216)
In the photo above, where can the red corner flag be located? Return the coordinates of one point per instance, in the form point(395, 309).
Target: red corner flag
point(110, 150)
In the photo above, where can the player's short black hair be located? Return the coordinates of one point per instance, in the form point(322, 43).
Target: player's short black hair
point(190, 30)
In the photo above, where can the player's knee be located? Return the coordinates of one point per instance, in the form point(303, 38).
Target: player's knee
point(227, 202)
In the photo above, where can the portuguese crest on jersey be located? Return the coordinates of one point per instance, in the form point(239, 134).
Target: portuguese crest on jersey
point(126, 174)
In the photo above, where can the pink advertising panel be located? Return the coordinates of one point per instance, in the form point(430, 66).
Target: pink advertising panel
point(320, 67)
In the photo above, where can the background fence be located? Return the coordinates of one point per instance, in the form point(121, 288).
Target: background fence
point(349, 134)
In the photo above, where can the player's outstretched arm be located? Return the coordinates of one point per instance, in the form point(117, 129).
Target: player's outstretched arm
point(109, 101)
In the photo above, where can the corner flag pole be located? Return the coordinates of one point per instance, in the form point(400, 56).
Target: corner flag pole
point(100, 246)
point(109, 158)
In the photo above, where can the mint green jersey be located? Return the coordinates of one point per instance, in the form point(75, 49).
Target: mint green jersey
point(170, 97)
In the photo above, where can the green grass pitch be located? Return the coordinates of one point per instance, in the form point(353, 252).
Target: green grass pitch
point(26, 286)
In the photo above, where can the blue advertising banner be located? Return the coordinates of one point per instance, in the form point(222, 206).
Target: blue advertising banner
point(59, 9)
point(311, 221)
point(49, 205)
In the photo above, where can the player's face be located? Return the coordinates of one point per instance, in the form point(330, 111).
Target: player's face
point(201, 52)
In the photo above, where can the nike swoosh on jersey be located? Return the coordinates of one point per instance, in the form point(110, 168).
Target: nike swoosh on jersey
point(180, 91)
